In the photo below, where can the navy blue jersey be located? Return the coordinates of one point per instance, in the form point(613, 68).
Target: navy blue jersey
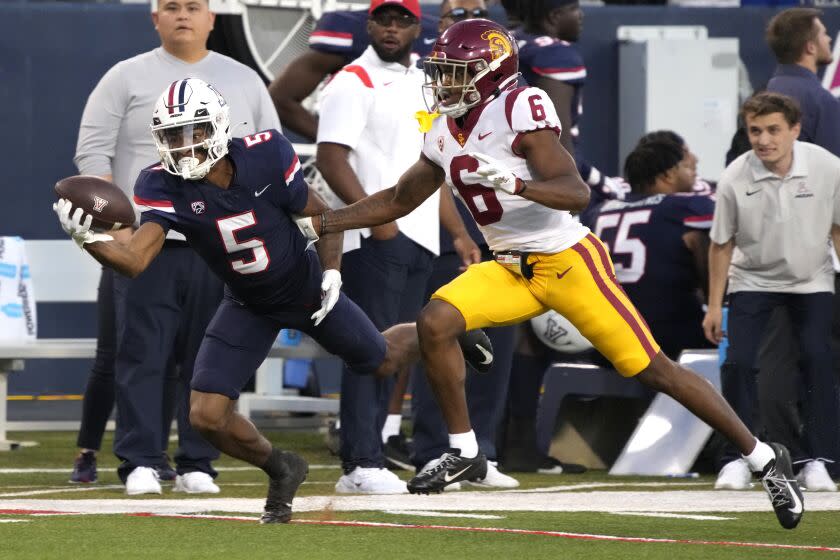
point(652, 263)
point(245, 232)
point(541, 56)
point(345, 33)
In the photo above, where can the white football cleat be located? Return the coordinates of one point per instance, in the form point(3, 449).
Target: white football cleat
point(142, 480)
point(494, 479)
point(735, 475)
point(195, 482)
point(364, 480)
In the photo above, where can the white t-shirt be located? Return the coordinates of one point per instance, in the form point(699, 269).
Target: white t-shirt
point(369, 106)
point(508, 222)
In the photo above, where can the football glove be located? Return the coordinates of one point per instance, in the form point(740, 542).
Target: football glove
point(495, 173)
point(330, 290)
point(73, 225)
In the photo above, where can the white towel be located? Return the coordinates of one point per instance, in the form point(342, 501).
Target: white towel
point(18, 320)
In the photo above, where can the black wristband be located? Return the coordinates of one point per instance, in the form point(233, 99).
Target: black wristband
point(323, 227)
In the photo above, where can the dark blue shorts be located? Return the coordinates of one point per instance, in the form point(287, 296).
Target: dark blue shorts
point(239, 338)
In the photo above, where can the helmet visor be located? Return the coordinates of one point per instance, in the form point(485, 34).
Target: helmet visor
point(183, 137)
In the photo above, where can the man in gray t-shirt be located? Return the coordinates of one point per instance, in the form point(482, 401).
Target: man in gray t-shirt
point(155, 322)
point(777, 207)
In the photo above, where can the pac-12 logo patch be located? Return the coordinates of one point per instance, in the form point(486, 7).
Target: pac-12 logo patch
point(99, 204)
point(197, 207)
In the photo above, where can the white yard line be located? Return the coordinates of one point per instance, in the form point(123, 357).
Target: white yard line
point(674, 515)
point(63, 490)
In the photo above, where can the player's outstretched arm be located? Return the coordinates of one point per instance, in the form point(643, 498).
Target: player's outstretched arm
point(416, 185)
point(131, 256)
point(127, 253)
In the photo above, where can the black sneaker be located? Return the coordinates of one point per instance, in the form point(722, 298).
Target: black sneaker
point(165, 470)
point(281, 491)
point(84, 468)
point(478, 352)
point(451, 468)
point(783, 489)
point(397, 451)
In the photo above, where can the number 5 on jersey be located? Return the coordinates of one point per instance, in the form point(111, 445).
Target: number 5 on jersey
point(228, 228)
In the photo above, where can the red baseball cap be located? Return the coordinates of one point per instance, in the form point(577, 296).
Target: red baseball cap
point(412, 6)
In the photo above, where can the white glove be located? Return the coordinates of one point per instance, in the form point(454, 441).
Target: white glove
point(330, 290)
point(78, 230)
point(495, 173)
point(617, 187)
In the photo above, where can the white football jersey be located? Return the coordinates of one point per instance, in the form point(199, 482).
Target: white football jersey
point(508, 222)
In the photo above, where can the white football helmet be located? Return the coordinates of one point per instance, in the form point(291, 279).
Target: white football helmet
point(191, 116)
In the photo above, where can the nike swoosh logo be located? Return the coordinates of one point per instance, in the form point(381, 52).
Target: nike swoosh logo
point(386, 84)
point(449, 478)
point(258, 193)
point(797, 503)
point(485, 135)
point(752, 193)
point(562, 274)
point(488, 357)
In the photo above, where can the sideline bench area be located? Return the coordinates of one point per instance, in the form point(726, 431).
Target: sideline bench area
point(14, 355)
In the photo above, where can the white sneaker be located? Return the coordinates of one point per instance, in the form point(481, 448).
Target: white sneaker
point(195, 482)
point(735, 475)
point(455, 486)
point(494, 479)
point(814, 478)
point(370, 481)
point(142, 480)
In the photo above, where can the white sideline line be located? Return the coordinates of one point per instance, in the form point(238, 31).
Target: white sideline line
point(683, 501)
point(220, 469)
point(594, 485)
point(64, 490)
point(673, 515)
point(14, 520)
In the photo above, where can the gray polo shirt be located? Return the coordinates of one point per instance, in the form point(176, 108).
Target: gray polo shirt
point(781, 226)
point(114, 135)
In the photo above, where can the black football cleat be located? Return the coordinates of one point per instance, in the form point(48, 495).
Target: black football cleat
point(281, 491)
point(478, 351)
point(783, 489)
point(450, 469)
point(397, 452)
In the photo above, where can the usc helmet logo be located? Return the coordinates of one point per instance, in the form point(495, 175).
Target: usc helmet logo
point(499, 44)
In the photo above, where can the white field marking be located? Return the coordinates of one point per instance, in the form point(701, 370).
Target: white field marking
point(502, 530)
point(62, 490)
point(681, 501)
point(592, 485)
point(420, 513)
point(674, 515)
point(36, 470)
point(14, 520)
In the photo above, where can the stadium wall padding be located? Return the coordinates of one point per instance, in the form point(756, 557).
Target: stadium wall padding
point(54, 53)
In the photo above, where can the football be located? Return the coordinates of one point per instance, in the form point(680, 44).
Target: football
point(558, 333)
point(102, 199)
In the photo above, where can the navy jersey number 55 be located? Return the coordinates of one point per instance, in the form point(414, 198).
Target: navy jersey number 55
point(245, 232)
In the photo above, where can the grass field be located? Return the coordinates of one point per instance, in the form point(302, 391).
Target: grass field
point(549, 516)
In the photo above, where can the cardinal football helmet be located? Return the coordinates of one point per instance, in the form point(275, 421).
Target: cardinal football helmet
point(470, 64)
point(191, 118)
